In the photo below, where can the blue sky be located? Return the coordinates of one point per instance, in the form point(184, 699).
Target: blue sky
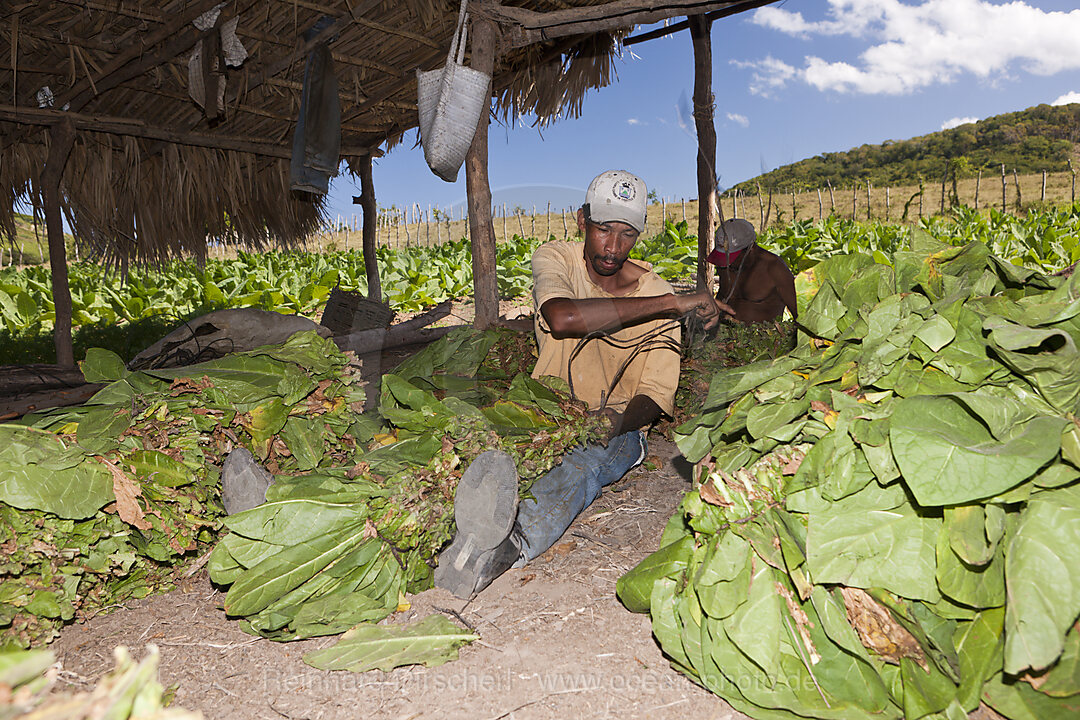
point(792, 80)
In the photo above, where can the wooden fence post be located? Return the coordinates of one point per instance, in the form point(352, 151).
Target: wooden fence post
point(887, 188)
point(854, 201)
point(532, 222)
point(1042, 196)
point(682, 201)
point(820, 209)
point(735, 204)
point(548, 234)
point(565, 234)
point(1019, 196)
point(978, 181)
point(868, 204)
point(1003, 188)
point(761, 208)
point(794, 213)
point(1073, 173)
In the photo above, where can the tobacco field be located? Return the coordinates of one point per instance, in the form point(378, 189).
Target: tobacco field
point(128, 314)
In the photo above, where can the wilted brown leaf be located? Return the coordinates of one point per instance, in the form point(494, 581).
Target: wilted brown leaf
point(126, 491)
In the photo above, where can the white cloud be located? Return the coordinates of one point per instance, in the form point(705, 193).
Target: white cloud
point(957, 122)
point(739, 119)
point(633, 121)
point(1067, 98)
point(769, 74)
point(911, 46)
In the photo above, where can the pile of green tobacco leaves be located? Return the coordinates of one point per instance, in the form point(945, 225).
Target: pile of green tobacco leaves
point(112, 500)
point(339, 544)
point(885, 522)
point(115, 499)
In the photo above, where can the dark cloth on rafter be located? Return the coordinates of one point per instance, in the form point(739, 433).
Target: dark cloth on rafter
point(318, 130)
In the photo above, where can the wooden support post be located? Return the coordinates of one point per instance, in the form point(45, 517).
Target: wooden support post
point(485, 283)
point(369, 238)
point(61, 138)
point(1073, 173)
point(1042, 196)
point(887, 188)
point(832, 200)
point(820, 208)
point(868, 203)
point(794, 212)
point(1019, 195)
point(855, 201)
point(700, 27)
point(547, 234)
point(978, 182)
point(735, 204)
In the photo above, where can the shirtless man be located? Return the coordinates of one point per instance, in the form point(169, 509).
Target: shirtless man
point(753, 281)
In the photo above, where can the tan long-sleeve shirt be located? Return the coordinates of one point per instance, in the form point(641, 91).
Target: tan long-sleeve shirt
point(559, 270)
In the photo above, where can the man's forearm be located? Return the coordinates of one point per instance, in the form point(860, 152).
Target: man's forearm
point(568, 317)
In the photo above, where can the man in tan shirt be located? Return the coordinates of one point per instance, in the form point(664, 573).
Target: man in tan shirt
point(609, 326)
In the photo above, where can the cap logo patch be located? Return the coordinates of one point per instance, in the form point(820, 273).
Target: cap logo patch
point(624, 190)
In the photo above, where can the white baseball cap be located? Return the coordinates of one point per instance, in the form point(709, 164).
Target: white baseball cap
point(616, 195)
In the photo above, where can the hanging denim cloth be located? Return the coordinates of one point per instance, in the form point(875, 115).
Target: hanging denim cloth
point(318, 130)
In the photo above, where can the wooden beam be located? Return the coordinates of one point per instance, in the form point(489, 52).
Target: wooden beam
point(527, 27)
point(136, 128)
point(485, 39)
point(676, 27)
point(166, 33)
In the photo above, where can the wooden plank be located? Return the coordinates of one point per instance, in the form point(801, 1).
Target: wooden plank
point(136, 128)
point(682, 25)
point(529, 26)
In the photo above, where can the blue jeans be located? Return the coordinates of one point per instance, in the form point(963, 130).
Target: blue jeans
point(571, 486)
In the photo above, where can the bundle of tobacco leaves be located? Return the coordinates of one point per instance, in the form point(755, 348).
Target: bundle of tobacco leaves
point(111, 500)
point(337, 545)
point(885, 522)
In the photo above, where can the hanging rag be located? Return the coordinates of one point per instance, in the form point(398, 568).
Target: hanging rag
point(212, 54)
point(317, 140)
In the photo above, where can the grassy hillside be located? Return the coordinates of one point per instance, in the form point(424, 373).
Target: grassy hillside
point(1030, 141)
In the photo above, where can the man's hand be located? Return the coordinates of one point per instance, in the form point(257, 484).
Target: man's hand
point(706, 307)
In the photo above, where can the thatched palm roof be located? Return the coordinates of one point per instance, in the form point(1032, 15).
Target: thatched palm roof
point(151, 176)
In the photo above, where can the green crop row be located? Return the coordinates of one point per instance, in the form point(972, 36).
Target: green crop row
point(128, 314)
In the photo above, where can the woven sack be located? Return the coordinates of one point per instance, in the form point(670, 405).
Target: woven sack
point(450, 102)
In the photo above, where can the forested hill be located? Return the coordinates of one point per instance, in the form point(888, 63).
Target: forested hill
point(1030, 141)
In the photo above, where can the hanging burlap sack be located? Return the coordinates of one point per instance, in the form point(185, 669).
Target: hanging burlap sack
point(450, 101)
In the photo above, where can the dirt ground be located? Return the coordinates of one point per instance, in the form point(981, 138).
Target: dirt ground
point(554, 640)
